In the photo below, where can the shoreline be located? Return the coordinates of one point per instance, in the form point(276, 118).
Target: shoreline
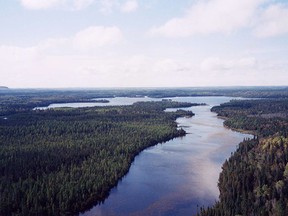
point(240, 130)
point(101, 199)
point(235, 129)
point(92, 203)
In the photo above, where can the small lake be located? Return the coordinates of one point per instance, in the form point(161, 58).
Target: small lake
point(117, 101)
point(176, 177)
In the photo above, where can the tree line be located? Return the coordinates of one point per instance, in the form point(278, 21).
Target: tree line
point(254, 180)
point(61, 161)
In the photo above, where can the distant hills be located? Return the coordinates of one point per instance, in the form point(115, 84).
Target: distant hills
point(3, 87)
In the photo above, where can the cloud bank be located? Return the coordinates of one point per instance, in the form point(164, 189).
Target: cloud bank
point(273, 21)
point(87, 39)
point(213, 42)
point(213, 16)
point(265, 18)
point(96, 36)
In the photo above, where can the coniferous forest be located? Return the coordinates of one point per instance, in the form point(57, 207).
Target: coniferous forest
point(61, 161)
point(254, 180)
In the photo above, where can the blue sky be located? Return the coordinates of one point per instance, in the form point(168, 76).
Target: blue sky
point(143, 43)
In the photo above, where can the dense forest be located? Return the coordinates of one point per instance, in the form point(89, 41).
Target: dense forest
point(254, 180)
point(61, 161)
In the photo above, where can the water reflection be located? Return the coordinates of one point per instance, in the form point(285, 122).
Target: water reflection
point(117, 101)
point(176, 177)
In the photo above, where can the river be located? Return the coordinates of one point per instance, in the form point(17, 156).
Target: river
point(179, 176)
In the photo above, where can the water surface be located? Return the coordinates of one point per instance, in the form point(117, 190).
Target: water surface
point(176, 177)
point(117, 101)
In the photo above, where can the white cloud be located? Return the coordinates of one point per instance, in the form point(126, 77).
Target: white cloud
point(96, 36)
point(218, 64)
point(169, 66)
point(15, 64)
point(273, 21)
point(212, 16)
point(54, 45)
point(230, 72)
point(59, 61)
point(49, 4)
point(85, 41)
point(81, 4)
point(107, 6)
point(129, 6)
point(22, 67)
point(40, 4)
point(15, 55)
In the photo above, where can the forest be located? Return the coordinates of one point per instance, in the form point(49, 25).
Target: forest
point(64, 160)
point(61, 161)
point(254, 180)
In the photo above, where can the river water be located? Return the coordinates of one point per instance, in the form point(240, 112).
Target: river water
point(179, 176)
point(176, 177)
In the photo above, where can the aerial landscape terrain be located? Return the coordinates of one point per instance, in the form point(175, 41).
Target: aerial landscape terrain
point(144, 107)
point(64, 160)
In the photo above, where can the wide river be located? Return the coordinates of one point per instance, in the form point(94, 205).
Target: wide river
point(179, 176)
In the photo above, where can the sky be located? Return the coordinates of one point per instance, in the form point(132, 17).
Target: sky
point(143, 43)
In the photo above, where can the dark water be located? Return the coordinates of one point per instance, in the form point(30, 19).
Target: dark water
point(175, 177)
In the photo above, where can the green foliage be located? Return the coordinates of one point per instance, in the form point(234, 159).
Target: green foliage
point(262, 117)
point(254, 181)
point(58, 162)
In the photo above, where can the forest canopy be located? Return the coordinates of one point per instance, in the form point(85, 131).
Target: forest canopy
point(61, 161)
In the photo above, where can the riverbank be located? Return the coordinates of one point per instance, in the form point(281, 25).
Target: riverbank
point(75, 156)
point(176, 177)
point(254, 179)
point(240, 130)
point(234, 128)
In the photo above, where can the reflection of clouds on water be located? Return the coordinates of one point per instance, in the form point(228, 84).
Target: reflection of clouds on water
point(206, 153)
point(169, 204)
point(101, 212)
point(207, 165)
point(174, 177)
point(207, 124)
point(206, 172)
